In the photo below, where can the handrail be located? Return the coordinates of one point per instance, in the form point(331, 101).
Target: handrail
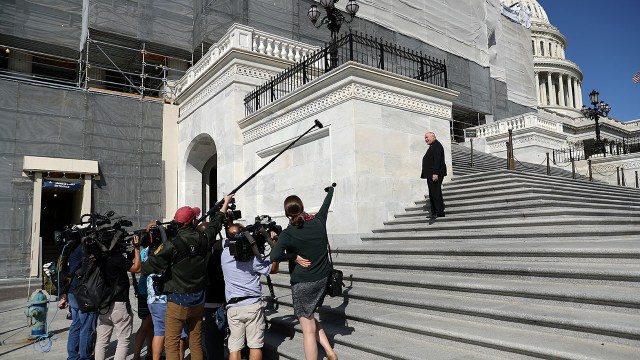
point(351, 46)
point(590, 148)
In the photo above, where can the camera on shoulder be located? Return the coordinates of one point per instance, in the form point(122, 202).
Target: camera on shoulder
point(252, 240)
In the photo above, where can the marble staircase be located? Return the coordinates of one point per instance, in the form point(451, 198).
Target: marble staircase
point(523, 266)
point(461, 158)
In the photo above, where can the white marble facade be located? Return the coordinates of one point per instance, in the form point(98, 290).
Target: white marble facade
point(371, 144)
point(558, 81)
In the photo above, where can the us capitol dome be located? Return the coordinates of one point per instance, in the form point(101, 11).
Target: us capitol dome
point(558, 81)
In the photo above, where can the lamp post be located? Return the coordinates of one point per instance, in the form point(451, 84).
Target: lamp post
point(599, 109)
point(334, 20)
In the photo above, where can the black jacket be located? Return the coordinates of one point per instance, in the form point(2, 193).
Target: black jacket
point(433, 161)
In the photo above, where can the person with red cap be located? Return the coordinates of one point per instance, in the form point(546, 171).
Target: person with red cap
point(182, 260)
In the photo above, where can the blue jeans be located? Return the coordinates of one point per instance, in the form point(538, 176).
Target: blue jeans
point(81, 331)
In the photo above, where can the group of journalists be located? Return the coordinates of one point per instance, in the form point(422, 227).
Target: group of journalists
point(197, 289)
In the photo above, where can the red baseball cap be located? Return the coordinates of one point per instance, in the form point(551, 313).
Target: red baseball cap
point(186, 214)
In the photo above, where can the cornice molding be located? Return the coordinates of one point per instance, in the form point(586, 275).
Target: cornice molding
point(212, 88)
point(353, 91)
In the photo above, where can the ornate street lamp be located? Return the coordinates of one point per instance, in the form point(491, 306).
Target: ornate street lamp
point(334, 20)
point(599, 109)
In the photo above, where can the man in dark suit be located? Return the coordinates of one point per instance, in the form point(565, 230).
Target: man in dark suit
point(434, 169)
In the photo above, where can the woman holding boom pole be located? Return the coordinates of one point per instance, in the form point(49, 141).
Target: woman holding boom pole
point(305, 241)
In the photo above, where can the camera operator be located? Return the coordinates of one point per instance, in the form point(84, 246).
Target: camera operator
point(119, 317)
point(245, 307)
point(83, 325)
point(183, 260)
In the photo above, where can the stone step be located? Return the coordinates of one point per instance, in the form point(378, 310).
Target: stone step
point(594, 319)
point(587, 247)
point(546, 267)
point(282, 342)
point(513, 204)
point(548, 210)
point(431, 224)
point(525, 232)
point(593, 292)
point(547, 180)
point(480, 230)
point(416, 329)
point(374, 335)
point(540, 195)
point(514, 186)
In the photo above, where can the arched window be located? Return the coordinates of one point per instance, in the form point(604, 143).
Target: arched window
point(541, 48)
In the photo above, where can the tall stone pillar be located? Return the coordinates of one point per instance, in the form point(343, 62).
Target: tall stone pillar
point(580, 103)
point(570, 100)
point(550, 87)
point(538, 95)
point(561, 89)
point(545, 92)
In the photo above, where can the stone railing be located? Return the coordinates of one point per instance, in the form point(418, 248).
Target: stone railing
point(248, 39)
point(516, 123)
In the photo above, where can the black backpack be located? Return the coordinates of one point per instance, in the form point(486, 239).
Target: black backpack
point(92, 293)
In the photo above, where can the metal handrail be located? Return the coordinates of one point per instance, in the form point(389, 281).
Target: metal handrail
point(582, 151)
point(355, 47)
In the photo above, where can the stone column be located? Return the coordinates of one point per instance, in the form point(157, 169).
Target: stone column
point(561, 89)
point(545, 89)
point(552, 98)
point(538, 94)
point(36, 256)
point(570, 100)
point(86, 194)
point(580, 103)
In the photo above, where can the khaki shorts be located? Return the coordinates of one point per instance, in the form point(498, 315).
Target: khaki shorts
point(246, 322)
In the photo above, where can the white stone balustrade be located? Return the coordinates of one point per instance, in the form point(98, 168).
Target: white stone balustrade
point(248, 39)
point(516, 123)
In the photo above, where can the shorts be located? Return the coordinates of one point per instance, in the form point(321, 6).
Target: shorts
point(158, 312)
point(246, 322)
point(143, 308)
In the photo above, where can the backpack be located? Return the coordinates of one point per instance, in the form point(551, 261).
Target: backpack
point(56, 276)
point(92, 293)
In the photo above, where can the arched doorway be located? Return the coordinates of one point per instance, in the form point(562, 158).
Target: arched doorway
point(201, 172)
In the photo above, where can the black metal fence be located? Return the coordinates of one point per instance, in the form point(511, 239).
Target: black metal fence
point(350, 47)
point(591, 148)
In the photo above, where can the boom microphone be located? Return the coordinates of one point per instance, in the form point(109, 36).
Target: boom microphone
point(215, 208)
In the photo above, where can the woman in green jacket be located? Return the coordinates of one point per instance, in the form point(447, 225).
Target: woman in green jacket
point(305, 241)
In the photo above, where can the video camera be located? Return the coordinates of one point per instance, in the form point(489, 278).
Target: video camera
point(97, 232)
point(253, 239)
point(157, 234)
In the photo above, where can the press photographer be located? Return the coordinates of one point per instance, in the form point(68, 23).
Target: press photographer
point(182, 260)
point(99, 288)
point(243, 262)
point(119, 318)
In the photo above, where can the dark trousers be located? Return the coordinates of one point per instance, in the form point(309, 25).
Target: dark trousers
point(212, 336)
point(435, 196)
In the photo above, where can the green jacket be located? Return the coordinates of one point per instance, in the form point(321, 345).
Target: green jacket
point(183, 273)
point(310, 241)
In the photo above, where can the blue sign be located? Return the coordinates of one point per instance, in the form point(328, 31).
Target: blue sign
point(72, 186)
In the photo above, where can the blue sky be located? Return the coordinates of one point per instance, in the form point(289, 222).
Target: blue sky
point(603, 38)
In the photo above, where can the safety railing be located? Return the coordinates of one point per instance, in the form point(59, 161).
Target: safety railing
point(350, 47)
point(591, 148)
